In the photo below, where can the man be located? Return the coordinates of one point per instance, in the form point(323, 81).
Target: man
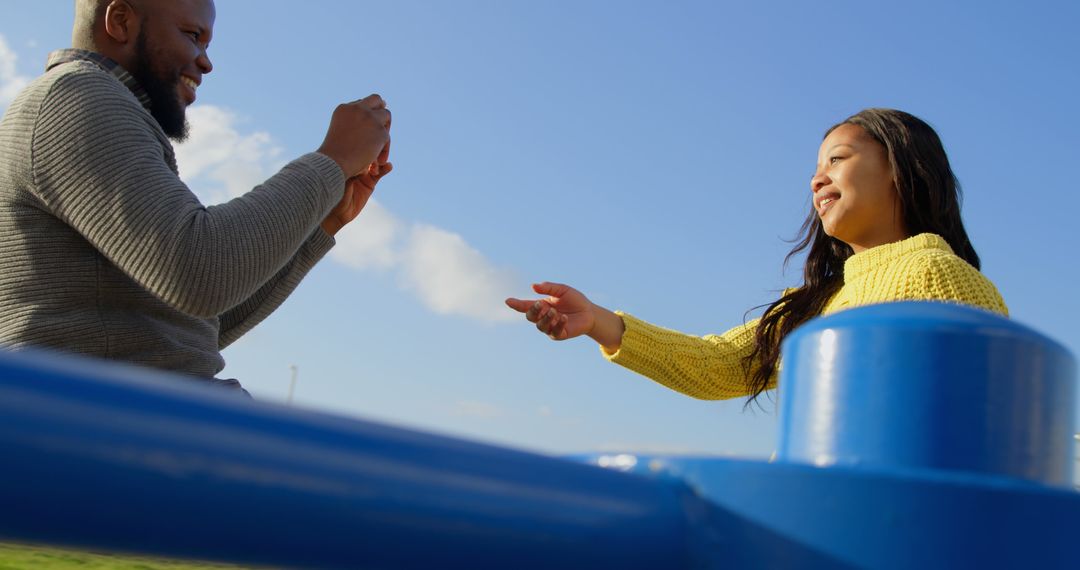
point(104, 251)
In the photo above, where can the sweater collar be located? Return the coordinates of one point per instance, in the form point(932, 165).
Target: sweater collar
point(883, 254)
point(106, 64)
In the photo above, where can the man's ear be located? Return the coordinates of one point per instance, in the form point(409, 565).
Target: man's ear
point(121, 22)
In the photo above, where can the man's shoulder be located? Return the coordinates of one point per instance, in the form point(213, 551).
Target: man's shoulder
point(77, 104)
point(67, 82)
point(85, 73)
point(80, 82)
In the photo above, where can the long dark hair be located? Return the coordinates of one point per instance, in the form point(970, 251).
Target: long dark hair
point(929, 197)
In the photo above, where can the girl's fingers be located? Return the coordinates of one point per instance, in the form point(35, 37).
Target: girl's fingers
point(519, 305)
point(533, 312)
point(548, 319)
point(549, 288)
point(558, 331)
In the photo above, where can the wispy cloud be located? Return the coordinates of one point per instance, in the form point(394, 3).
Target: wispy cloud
point(10, 80)
point(477, 409)
point(225, 162)
point(548, 414)
point(374, 241)
point(452, 278)
point(438, 266)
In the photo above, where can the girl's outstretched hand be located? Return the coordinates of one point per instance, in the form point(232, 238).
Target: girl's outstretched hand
point(564, 314)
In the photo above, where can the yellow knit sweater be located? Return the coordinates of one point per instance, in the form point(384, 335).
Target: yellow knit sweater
point(711, 367)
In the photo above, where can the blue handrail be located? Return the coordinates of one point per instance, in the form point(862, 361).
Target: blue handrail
point(106, 456)
point(115, 458)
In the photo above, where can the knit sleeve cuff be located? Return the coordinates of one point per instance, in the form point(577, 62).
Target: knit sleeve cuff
point(320, 242)
point(314, 249)
point(325, 168)
point(637, 335)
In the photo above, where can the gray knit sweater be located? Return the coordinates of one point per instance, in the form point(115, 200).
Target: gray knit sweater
point(105, 252)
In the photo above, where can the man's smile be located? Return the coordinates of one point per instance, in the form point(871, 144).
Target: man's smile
point(191, 85)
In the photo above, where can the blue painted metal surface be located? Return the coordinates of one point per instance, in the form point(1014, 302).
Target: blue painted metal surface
point(126, 460)
point(930, 385)
point(115, 458)
point(789, 515)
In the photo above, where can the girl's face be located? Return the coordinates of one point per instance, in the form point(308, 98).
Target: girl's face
point(853, 188)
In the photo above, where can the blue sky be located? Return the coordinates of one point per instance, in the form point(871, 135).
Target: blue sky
point(655, 155)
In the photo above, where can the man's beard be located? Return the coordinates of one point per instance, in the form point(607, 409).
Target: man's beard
point(165, 104)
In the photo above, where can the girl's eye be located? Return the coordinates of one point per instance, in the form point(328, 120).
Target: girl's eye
point(194, 36)
point(835, 159)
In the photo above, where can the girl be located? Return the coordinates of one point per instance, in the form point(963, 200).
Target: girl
point(884, 226)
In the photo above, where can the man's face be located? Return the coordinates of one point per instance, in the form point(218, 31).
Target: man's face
point(170, 58)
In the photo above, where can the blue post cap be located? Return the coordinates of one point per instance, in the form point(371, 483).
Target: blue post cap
point(928, 385)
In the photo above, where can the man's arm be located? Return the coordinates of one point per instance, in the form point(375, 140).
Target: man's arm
point(242, 318)
point(358, 190)
point(98, 166)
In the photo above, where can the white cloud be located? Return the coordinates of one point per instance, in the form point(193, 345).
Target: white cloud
point(10, 80)
point(446, 274)
point(452, 278)
point(372, 241)
point(220, 163)
point(449, 276)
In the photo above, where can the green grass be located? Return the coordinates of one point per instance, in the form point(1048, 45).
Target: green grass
point(25, 557)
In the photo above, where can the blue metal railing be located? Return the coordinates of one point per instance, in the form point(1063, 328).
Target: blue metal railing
point(111, 457)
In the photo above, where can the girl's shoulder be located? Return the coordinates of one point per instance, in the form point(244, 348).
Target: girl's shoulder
point(936, 274)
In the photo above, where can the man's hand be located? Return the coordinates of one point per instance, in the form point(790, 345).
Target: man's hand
point(358, 190)
point(359, 136)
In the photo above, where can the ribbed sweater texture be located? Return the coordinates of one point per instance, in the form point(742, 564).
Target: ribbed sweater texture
point(920, 268)
point(106, 252)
